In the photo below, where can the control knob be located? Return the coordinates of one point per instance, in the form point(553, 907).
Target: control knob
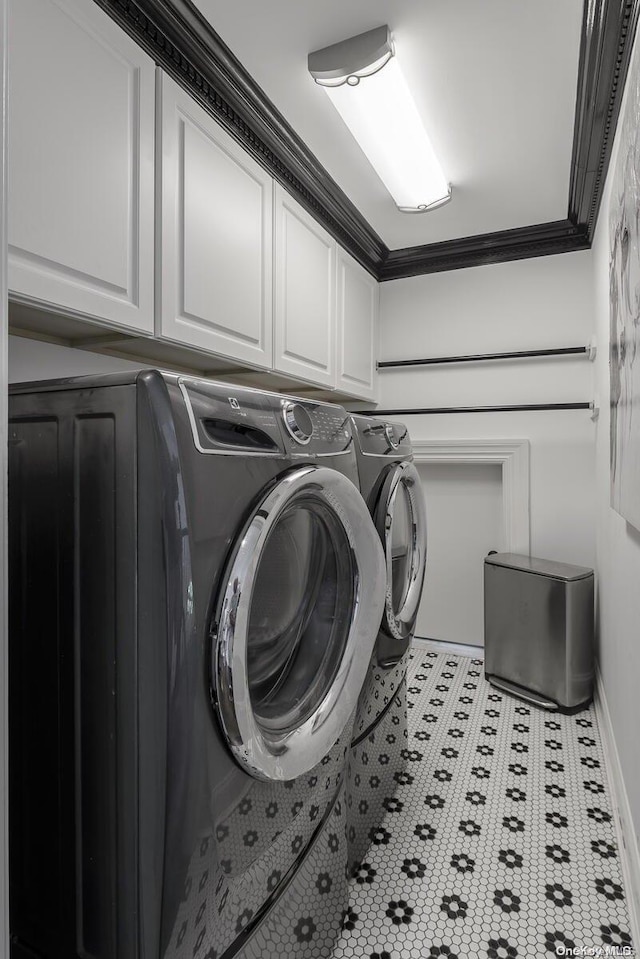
point(391, 436)
point(387, 430)
point(298, 423)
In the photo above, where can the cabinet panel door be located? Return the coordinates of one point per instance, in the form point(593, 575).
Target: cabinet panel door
point(305, 294)
point(358, 296)
point(81, 163)
point(216, 250)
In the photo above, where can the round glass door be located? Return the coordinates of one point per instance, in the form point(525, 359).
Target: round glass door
point(296, 623)
point(402, 524)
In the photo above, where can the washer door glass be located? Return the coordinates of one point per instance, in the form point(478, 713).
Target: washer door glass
point(296, 623)
point(402, 525)
point(301, 613)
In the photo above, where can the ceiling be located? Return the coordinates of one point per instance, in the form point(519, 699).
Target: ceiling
point(494, 79)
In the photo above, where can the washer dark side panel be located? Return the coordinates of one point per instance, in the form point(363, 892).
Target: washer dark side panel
point(193, 587)
point(391, 487)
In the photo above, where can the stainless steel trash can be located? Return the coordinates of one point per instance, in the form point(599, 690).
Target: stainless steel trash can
point(538, 630)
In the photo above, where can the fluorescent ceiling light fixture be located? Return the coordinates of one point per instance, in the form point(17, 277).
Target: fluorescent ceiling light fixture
point(365, 84)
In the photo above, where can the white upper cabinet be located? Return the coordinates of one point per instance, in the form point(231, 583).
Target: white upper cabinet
point(216, 244)
point(131, 207)
point(81, 163)
point(358, 297)
point(305, 311)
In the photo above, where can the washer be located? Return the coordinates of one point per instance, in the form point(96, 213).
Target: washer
point(391, 487)
point(196, 588)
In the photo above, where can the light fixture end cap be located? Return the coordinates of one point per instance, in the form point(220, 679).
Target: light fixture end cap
point(426, 207)
point(358, 57)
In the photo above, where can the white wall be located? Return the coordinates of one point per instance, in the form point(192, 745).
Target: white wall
point(527, 304)
point(35, 360)
point(618, 545)
point(465, 522)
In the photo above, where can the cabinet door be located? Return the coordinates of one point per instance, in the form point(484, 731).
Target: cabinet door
point(358, 296)
point(305, 298)
point(216, 244)
point(81, 163)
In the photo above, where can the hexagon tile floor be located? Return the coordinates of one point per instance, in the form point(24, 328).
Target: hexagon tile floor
point(500, 841)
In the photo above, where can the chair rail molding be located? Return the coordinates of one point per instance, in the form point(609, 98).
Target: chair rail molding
point(512, 455)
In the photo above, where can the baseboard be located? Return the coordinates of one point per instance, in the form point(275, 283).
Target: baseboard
point(459, 649)
point(627, 842)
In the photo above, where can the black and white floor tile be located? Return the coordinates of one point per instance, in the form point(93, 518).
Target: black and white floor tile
point(500, 840)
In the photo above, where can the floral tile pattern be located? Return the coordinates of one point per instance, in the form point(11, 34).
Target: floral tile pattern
point(499, 840)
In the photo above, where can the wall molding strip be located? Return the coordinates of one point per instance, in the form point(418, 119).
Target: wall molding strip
point(512, 455)
point(184, 44)
point(625, 831)
point(442, 646)
point(519, 408)
point(482, 357)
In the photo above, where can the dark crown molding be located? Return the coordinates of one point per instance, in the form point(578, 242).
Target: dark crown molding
point(178, 37)
point(561, 236)
point(608, 30)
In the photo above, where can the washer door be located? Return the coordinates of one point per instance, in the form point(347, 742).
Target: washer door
point(296, 623)
point(401, 521)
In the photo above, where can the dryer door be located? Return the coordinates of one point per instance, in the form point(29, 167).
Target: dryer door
point(296, 622)
point(401, 521)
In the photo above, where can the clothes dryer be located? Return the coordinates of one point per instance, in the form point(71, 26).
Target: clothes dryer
point(196, 588)
point(391, 487)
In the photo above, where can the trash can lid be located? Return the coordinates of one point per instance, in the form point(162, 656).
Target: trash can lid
point(542, 567)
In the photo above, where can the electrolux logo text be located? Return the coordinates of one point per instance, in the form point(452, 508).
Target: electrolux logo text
point(235, 405)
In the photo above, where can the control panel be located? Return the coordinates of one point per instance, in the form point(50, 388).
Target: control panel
point(381, 438)
point(315, 428)
point(231, 419)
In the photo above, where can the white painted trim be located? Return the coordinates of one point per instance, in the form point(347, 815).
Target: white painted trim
point(4, 379)
point(459, 649)
point(512, 456)
point(625, 831)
